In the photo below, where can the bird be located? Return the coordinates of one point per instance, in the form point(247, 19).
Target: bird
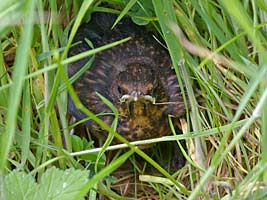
point(136, 77)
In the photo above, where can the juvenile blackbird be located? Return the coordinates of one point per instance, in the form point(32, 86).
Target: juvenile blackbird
point(135, 76)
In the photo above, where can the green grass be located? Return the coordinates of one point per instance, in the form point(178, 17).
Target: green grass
point(225, 128)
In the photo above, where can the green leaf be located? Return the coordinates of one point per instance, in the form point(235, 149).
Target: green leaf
point(80, 144)
point(58, 184)
point(55, 185)
point(141, 11)
point(19, 185)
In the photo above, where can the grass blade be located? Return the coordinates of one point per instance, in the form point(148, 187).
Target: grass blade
point(20, 69)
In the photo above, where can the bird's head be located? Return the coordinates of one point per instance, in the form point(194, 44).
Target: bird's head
point(137, 82)
point(138, 88)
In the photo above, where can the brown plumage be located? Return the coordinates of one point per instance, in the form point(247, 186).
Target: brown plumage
point(135, 76)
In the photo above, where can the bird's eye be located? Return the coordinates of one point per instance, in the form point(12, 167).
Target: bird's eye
point(119, 90)
point(154, 92)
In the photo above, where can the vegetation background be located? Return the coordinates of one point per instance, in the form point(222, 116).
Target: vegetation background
point(225, 131)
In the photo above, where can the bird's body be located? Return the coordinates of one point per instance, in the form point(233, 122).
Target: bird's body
point(135, 76)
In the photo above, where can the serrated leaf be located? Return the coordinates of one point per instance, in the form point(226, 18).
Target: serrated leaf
point(58, 184)
point(19, 186)
point(55, 184)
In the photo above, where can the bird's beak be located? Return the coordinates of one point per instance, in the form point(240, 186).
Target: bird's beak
point(129, 98)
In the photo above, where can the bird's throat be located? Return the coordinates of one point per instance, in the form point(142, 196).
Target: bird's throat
point(139, 108)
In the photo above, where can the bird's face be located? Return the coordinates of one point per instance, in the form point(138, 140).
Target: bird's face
point(136, 87)
point(137, 82)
